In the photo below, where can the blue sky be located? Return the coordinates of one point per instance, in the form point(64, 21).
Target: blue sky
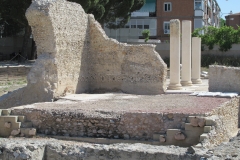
point(229, 5)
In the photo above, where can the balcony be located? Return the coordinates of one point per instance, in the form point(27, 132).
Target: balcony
point(198, 13)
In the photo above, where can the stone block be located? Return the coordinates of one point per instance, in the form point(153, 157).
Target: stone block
point(162, 138)
point(207, 129)
point(12, 119)
point(189, 129)
point(7, 124)
point(16, 125)
point(199, 145)
point(209, 122)
point(203, 136)
point(6, 112)
point(15, 132)
point(21, 118)
point(26, 124)
point(180, 136)
point(5, 132)
point(156, 137)
point(32, 132)
point(170, 135)
point(28, 131)
point(196, 121)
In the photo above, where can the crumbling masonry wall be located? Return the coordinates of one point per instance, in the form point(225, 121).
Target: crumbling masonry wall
point(76, 56)
point(224, 79)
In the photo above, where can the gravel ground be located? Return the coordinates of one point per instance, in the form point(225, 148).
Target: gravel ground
point(166, 103)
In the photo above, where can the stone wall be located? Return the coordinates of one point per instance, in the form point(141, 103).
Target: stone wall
point(135, 126)
point(225, 125)
point(76, 56)
point(224, 79)
point(222, 121)
point(13, 72)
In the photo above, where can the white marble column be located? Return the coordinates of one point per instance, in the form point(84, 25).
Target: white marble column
point(196, 60)
point(175, 55)
point(186, 53)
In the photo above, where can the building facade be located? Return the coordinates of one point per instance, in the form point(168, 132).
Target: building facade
point(200, 12)
point(155, 15)
point(233, 20)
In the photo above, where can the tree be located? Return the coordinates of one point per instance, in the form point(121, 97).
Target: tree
point(104, 11)
point(113, 13)
point(224, 36)
point(13, 13)
point(222, 22)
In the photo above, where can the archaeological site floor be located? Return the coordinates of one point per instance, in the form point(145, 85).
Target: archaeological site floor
point(118, 117)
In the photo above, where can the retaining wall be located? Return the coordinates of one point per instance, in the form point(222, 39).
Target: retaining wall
point(139, 126)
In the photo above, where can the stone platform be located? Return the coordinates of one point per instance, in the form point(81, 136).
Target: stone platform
point(167, 119)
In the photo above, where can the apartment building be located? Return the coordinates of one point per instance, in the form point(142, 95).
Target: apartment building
point(233, 20)
point(200, 12)
point(155, 15)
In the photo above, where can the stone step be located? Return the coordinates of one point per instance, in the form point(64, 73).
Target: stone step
point(12, 119)
point(7, 127)
point(26, 124)
point(6, 112)
point(203, 136)
point(193, 130)
point(21, 118)
point(28, 132)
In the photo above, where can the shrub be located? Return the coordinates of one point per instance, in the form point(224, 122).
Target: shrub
point(145, 34)
point(208, 59)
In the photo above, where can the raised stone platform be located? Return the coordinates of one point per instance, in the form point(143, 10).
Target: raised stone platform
point(160, 119)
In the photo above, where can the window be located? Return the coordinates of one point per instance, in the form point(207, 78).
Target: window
point(146, 26)
point(133, 26)
point(198, 5)
point(167, 6)
point(166, 27)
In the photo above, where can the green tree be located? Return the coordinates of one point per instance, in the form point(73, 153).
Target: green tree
point(104, 11)
point(224, 36)
point(13, 17)
point(113, 13)
point(222, 22)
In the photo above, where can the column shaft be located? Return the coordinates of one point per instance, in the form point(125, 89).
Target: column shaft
point(196, 60)
point(186, 53)
point(174, 55)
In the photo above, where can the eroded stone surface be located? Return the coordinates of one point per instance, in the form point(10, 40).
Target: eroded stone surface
point(224, 79)
point(76, 56)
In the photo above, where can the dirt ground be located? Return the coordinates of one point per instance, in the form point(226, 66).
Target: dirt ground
point(12, 84)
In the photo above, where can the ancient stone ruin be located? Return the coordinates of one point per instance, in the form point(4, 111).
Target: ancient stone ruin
point(224, 79)
point(75, 56)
